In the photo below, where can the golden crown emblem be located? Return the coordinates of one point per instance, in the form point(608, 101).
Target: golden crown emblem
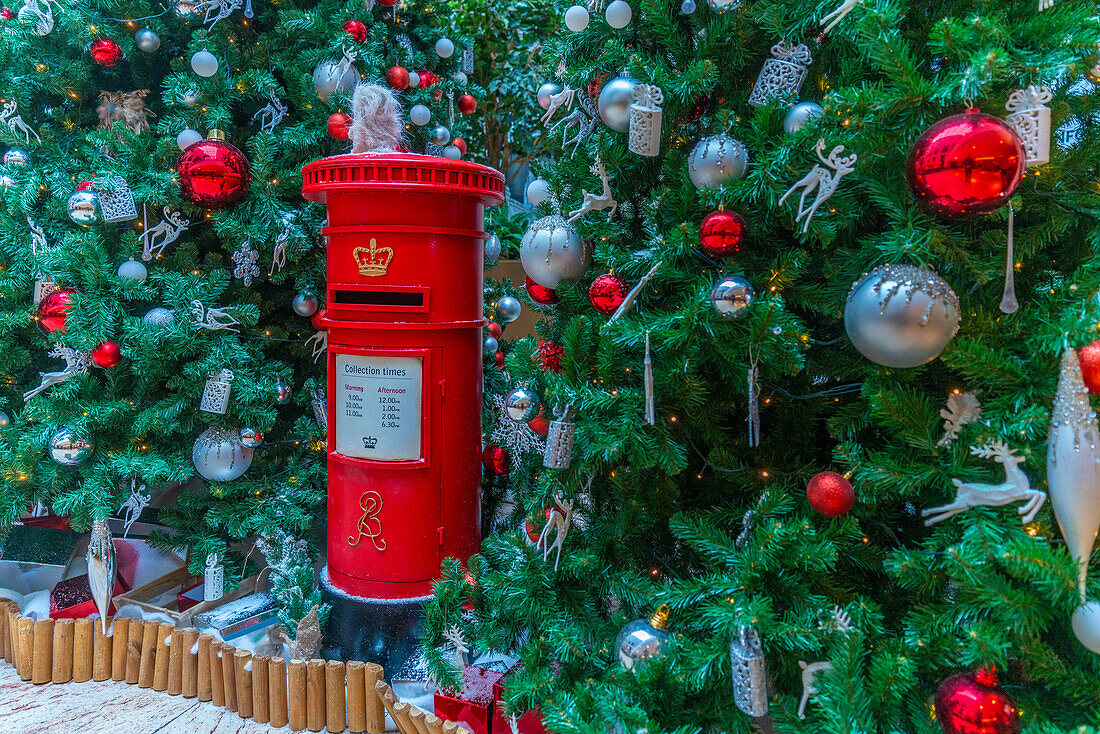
point(373, 260)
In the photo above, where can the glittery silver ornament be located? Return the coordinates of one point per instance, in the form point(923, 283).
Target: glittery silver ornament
point(552, 250)
point(283, 392)
point(800, 115)
point(67, 450)
point(159, 317)
point(643, 640)
point(441, 135)
point(731, 297)
point(250, 438)
point(219, 456)
point(490, 345)
point(492, 250)
point(901, 315)
point(82, 207)
point(190, 98)
point(16, 157)
point(133, 270)
point(305, 304)
point(508, 309)
point(147, 40)
point(545, 92)
point(616, 96)
point(750, 673)
point(5, 421)
point(521, 405)
point(329, 78)
point(715, 160)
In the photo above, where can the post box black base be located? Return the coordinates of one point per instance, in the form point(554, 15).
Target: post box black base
point(382, 631)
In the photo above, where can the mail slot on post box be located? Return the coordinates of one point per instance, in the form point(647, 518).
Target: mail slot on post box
point(405, 239)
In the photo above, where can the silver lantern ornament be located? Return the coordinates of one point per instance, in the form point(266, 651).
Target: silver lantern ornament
point(67, 450)
point(731, 297)
point(492, 250)
point(715, 160)
point(83, 208)
point(614, 102)
point(643, 640)
point(133, 270)
point(901, 315)
point(304, 304)
point(283, 393)
point(800, 116)
point(508, 309)
point(546, 91)
point(521, 405)
point(219, 455)
point(159, 317)
point(750, 673)
point(558, 453)
point(331, 77)
point(147, 40)
point(16, 157)
point(249, 437)
point(552, 251)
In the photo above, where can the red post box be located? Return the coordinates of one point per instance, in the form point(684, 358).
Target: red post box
point(404, 318)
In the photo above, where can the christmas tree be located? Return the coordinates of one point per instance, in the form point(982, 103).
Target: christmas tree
point(800, 299)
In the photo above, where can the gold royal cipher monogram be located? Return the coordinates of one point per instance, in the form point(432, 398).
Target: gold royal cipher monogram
point(369, 524)
point(374, 260)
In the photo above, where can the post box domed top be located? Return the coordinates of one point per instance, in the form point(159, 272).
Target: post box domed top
point(401, 172)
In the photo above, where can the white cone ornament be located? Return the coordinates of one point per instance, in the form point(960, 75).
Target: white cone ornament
point(552, 250)
point(1073, 465)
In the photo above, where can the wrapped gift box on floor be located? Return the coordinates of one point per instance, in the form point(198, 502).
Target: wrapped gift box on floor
point(35, 559)
point(239, 617)
point(72, 598)
point(529, 723)
point(473, 705)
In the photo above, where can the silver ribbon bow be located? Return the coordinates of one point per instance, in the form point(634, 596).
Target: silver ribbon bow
point(1028, 99)
point(799, 54)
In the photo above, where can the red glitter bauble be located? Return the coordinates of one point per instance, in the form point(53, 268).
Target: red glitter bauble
point(540, 424)
point(722, 233)
point(596, 85)
point(540, 294)
point(107, 354)
point(466, 104)
point(830, 494)
point(966, 165)
point(499, 360)
point(338, 125)
point(105, 52)
point(460, 144)
point(398, 78)
point(496, 461)
point(213, 174)
point(494, 329)
point(1090, 366)
point(53, 310)
point(550, 355)
point(356, 30)
point(607, 293)
point(973, 703)
point(427, 78)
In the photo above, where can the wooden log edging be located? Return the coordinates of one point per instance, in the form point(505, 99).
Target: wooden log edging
point(314, 695)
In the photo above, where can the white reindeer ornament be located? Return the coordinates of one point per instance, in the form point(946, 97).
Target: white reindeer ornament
point(1015, 488)
point(596, 202)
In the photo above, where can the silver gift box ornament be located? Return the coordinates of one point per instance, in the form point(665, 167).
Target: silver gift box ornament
point(750, 673)
point(782, 74)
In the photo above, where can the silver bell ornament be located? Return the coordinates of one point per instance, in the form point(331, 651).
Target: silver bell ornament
point(249, 437)
point(800, 115)
point(643, 640)
point(147, 40)
point(67, 450)
point(901, 315)
point(305, 304)
point(83, 208)
point(329, 78)
point(5, 421)
point(16, 157)
point(715, 160)
point(219, 456)
point(521, 405)
point(731, 297)
point(492, 250)
point(133, 270)
point(441, 135)
point(616, 96)
point(508, 309)
point(552, 251)
point(283, 393)
point(545, 92)
point(159, 317)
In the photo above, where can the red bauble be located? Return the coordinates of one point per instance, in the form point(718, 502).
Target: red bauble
point(830, 494)
point(6, 14)
point(386, 3)
point(596, 85)
point(973, 703)
point(550, 355)
point(696, 110)
point(1090, 366)
point(53, 310)
point(213, 174)
point(540, 424)
point(496, 461)
point(607, 293)
point(460, 144)
point(356, 30)
point(498, 358)
point(427, 78)
point(540, 294)
point(966, 165)
point(722, 233)
point(338, 125)
point(494, 329)
point(105, 52)
point(85, 186)
point(467, 104)
point(106, 355)
point(398, 78)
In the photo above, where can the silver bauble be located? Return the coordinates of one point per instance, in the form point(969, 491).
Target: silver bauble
point(614, 103)
point(187, 137)
point(414, 80)
point(249, 437)
point(133, 270)
point(329, 78)
point(16, 157)
point(618, 14)
point(82, 207)
point(687, 7)
point(492, 250)
point(538, 191)
point(147, 40)
point(283, 393)
point(800, 115)
point(5, 421)
point(1086, 625)
point(715, 160)
point(67, 450)
point(901, 315)
point(460, 78)
point(544, 93)
point(219, 456)
point(420, 115)
point(731, 297)
point(552, 250)
point(643, 640)
point(576, 18)
point(204, 63)
point(521, 405)
point(441, 135)
point(190, 97)
point(490, 345)
point(721, 6)
point(444, 48)
point(508, 309)
point(304, 304)
point(158, 317)
point(6, 181)
point(452, 152)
